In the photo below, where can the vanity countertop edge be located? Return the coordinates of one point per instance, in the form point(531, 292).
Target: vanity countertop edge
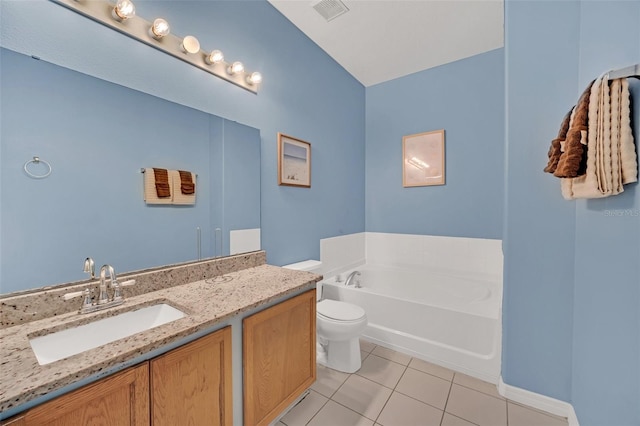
point(206, 303)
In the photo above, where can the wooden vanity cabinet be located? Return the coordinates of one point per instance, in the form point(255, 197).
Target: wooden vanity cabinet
point(191, 385)
point(121, 399)
point(279, 357)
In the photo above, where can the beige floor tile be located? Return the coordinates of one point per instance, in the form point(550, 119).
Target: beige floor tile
point(519, 415)
point(363, 355)
point(477, 384)
point(328, 381)
point(335, 414)
point(404, 411)
point(424, 387)
point(366, 346)
point(451, 420)
point(362, 396)
point(433, 369)
point(476, 407)
point(381, 371)
point(305, 410)
point(392, 355)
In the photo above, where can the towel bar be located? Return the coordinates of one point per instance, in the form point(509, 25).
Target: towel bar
point(37, 160)
point(142, 171)
point(632, 71)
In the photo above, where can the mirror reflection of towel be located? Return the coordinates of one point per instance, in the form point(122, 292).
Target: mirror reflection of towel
point(163, 189)
point(187, 186)
point(184, 187)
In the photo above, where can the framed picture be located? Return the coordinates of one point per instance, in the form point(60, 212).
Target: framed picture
point(294, 161)
point(423, 159)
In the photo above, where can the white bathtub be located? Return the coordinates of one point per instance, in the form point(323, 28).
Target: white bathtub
point(449, 320)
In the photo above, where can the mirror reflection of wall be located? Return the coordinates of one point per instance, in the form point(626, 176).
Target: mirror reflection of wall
point(97, 136)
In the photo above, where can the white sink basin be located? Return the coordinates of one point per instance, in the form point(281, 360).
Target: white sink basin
point(61, 344)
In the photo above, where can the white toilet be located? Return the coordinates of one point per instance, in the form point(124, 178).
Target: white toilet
point(338, 326)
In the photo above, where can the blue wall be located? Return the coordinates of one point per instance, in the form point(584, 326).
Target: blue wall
point(466, 98)
point(606, 341)
point(541, 81)
point(305, 94)
point(571, 300)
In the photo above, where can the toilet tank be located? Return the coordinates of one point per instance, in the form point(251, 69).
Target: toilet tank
point(306, 265)
point(314, 266)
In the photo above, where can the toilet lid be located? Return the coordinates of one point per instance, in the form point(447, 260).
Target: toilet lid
point(337, 310)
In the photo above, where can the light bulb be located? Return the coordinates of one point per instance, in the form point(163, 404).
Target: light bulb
point(190, 44)
point(214, 57)
point(254, 78)
point(123, 10)
point(159, 29)
point(235, 68)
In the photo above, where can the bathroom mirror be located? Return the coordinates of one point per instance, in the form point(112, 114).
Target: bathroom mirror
point(97, 136)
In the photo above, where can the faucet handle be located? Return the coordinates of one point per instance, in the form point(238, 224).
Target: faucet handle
point(86, 302)
point(69, 296)
point(117, 289)
point(117, 292)
point(127, 283)
point(87, 298)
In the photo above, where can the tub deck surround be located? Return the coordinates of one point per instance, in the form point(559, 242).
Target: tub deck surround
point(31, 305)
point(206, 302)
point(449, 320)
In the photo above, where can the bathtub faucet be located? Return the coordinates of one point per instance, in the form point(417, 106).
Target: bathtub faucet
point(351, 277)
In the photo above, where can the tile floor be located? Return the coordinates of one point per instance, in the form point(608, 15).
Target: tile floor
point(394, 389)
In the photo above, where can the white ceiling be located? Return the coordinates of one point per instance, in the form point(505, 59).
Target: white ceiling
point(380, 40)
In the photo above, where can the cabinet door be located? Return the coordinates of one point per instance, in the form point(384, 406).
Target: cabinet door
point(121, 399)
point(279, 357)
point(191, 385)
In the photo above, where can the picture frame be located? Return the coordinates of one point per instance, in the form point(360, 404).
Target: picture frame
point(294, 161)
point(423, 159)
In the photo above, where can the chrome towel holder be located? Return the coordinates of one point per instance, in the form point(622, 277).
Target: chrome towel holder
point(37, 160)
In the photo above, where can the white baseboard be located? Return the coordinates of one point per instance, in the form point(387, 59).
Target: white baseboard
point(538, 401)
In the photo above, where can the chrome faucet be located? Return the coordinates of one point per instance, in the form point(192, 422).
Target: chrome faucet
point(103, 301)
point(351, 277)
point(104, 296)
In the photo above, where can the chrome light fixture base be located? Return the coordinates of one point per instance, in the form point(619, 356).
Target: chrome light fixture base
point(138, 28)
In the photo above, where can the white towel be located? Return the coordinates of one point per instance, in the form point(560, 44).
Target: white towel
point(611, 152)
point(150, 194)
point(178, 196)
point(628, 157)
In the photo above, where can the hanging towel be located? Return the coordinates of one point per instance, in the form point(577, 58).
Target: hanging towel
point(151, 188)
point(628, 155)
point(163, 188)
point(611, 152)
point(187, 186)
point(183, 187)
point(573, 161)
point(555, 151)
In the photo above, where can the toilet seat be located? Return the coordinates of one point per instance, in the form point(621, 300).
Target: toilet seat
point(339, 311)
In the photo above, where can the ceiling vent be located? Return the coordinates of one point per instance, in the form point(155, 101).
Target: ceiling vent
point(330, 9)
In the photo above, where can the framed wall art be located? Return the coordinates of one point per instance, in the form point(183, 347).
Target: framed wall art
point(294, 161)
point(423, 159)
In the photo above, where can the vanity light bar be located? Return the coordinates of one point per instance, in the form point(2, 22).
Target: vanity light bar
point(186, 49)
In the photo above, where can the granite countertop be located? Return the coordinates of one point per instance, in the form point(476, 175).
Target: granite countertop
point(206, 303)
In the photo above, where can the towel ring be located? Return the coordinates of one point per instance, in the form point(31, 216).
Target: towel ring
point(37, 160)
